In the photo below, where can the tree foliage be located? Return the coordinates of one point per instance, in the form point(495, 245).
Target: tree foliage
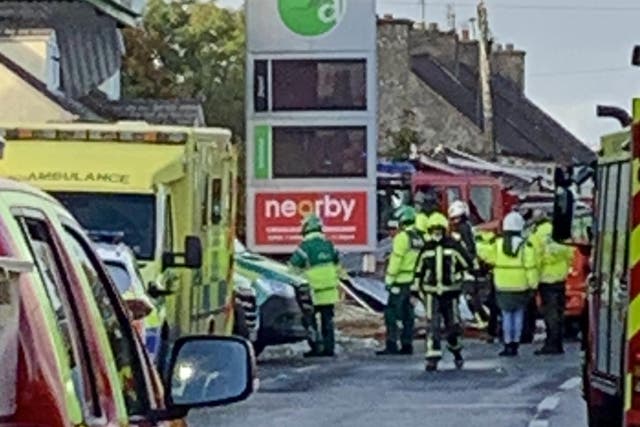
point(403, 139)
point(190, 49)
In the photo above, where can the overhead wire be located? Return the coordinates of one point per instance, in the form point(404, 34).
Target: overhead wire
point(539, 7)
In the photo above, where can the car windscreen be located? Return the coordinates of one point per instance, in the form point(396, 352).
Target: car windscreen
point(131, 214)
point(119, 275)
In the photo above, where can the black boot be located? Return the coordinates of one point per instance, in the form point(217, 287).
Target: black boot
point(506, 352)
point(390, 349)
point(514, 348)
point(406, 349)
point(544, 351)
point(312, 353)
point(432, 365)
point(458, 359)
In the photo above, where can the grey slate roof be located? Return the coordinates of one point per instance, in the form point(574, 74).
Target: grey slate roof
point(521, 128)
point(182, 112)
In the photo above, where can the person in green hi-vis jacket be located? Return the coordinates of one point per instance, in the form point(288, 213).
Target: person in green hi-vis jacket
point(318, 259)
point(407, 245)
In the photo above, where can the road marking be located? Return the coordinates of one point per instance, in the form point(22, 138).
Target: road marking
point(570, 384)
point(549, 403)
point(306, 369)
point(539, 423)
point(488, 405)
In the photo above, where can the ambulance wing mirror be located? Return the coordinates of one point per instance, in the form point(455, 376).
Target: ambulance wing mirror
point(563, 206)
point(635, 57)
point(192, 255)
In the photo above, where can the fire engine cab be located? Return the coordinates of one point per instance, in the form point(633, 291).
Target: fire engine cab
point(611, 341)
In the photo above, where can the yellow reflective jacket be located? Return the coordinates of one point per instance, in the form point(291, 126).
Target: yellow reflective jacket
point(554, 259)
point(404, 255)
point(512, 273)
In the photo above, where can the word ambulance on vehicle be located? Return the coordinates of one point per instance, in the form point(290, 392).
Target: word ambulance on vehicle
point(171, 191)
point(68, 353)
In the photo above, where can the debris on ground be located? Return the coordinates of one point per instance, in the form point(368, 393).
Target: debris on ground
point(357, 322)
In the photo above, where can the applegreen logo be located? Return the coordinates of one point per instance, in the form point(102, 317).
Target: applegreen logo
point(311, 18)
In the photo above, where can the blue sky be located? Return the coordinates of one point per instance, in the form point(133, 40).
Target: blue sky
point(578, 52)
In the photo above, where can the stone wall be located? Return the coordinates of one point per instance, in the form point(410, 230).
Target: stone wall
point(404, 100)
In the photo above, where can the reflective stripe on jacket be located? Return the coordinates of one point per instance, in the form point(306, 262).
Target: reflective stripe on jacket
point(439, 265)
point(554, 259)
point(404, 255)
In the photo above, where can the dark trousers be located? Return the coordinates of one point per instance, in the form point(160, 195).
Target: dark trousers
point(399, 308)
point(553, 304)
point(323, 339)
point(493, 327)
point(529, 327)
point(442, 308)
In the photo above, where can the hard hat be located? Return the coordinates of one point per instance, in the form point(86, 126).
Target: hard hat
point(458, 209)
point(513, 222)
point(406, 215)
point(311, 224)
point(436, 219)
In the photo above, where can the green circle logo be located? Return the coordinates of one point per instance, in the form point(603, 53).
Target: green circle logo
point(311, 18)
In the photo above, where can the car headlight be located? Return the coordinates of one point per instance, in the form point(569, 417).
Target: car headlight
point(275, 287)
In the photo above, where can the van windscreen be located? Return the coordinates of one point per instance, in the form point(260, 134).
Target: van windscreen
point(131, 214)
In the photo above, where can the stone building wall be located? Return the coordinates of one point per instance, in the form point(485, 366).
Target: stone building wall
point(405, 100)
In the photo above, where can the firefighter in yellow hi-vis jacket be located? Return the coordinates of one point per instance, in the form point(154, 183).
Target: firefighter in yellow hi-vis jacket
point(438, 280)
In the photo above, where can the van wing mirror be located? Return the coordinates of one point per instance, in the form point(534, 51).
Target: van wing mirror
point(192, 255)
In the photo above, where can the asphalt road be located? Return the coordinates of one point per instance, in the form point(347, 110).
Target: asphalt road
point(359, 389)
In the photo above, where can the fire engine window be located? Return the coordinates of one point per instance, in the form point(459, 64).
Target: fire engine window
point(47, 261)
point(481, 203)
point(319, 152)
point(319, 85)
point(120, 333)
point(618, 290)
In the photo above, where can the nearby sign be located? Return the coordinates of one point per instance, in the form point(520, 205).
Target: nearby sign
point(278, 216)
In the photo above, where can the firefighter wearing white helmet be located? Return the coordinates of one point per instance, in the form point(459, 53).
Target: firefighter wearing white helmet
point(437, 279)
point(515, 277)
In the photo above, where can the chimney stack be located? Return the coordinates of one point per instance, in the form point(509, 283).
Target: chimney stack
point(433, 26)
point(388, 17)
point(465, 35)
point(510, 47)
point(499, 47)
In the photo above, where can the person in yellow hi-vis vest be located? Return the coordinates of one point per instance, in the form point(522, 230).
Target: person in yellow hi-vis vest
point(407, 245)
point(426, 204)
point(515, 277)
point(437, 278)
point(554, 263)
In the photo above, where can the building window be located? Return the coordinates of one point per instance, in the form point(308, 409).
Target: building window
point(54, 73)
point(319, 152)
point(300, 85)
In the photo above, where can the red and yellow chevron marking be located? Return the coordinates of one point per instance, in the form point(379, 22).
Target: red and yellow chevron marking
point(632, 380)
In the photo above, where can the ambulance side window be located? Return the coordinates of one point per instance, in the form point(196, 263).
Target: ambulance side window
point(115, 321)
point(48, 264)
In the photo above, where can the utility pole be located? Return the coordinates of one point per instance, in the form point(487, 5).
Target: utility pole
point(485, 80)
point(423, 11)
point(451, 16)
